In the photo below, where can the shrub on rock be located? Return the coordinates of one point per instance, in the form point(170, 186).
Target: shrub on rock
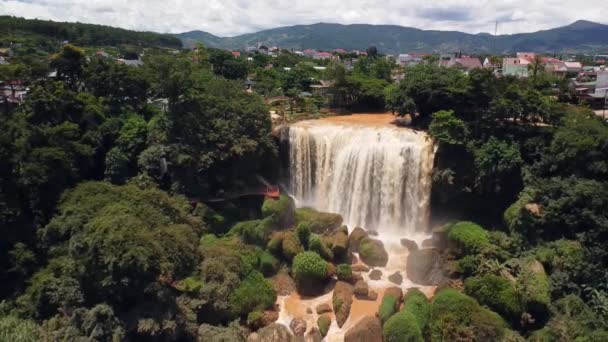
point(345, 272)
point(303, 233)
point(388, 307)
point(372, 252)
point(402, 327)
point(455, 316)
point(339, 246)
point(317, 245)
point(497, 293)
point(275, 244)
point(309, 271)
point(342, 300)
point(281, 211)
point(291, 246)
point(253, 293)
point(269, 265)
point(533, 286)
point(468, 237)
point(416, 303)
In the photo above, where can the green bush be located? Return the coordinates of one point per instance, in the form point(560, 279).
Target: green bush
point(469, 264)
point(291, 246)
point(14, 329)
point(416, 303)
point(455, 315)
point(496, 292)
point(388, 307)
point(303, 233)
point(402, 327)
point(275, 244)
point(254, 293)
point(309, 270)
point(317, 245)
point(280, 211)
point(269, 265)
point(324, 322)
point(469, 237)
point(563, 255)
point(191, 284)
point(344, 272)
point(253, 232)
point(255, 319)
point(533, 287)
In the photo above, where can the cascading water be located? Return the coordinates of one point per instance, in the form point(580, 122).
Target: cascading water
point(376, 177)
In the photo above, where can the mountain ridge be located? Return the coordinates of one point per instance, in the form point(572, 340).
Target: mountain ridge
point(579, 36)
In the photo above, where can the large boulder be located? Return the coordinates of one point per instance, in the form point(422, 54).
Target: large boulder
point(283, 284)
point(275, 333)
point(361, 289)
point(324, 322)
point(368, 329)
point(314, 335)
point(355, 237)
point(533, 285)
point(402, 327)
point(396, 278)
point(342, 300)
point(372, 252)
point(411, 245)
point(424, 267)
point(298, 327)
point(323, 308)
point(310, 272)
point(391, 301)
point(360, 268)
point(320, 222)
point(339, 243)
point(375, 275)
point(291, 246)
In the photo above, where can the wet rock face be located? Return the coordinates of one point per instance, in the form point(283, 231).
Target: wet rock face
point(409, 244)
point(396, 278)
point(342, 300)
point(428, 243)
point(298, 326)
point(375, 275)
point(355, 237)
point(373, 253)
point(275, 333)
point(367, 329)
point(424, 267)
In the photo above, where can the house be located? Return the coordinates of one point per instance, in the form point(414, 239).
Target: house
point(467, 63)
point(131, 62)
point(323, 55)
point(517, 67)
point(319, 68)
point(574, 67)
point(488, 64)
point(236, 54)
point(309, 53)
point(529, 56)
point(102, 54)
point(339, 51)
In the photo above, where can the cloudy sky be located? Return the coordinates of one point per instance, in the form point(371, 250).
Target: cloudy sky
point(233, 17)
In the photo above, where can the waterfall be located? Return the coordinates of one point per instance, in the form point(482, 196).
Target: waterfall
point(376, 177)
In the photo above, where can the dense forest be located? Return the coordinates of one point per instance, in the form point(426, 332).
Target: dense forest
point(104, 170)
point(82, 34)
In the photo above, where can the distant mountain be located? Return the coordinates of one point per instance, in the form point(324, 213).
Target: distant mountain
point(581, 36)
point(83, 34)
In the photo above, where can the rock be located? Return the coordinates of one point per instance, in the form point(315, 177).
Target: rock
point(375, 275)
point(314, 335)
point(424, 267)
point(342, 300)
point(396, 292)
point(331, 270)
point(361, 289)
point(360, 268)
point(396, 278)
point(253, 337)
point(372, 252)
point(368, 329)
point(320, 222)
point(428, 243)
point(283, 284)
point(309, 311)
point(372, 232)
point(269, 317)
point(275, 333)
point(340, 244)
point(323, 308)
point(372, 295)
point(355, 238)
point(324, 322)
point(440, 238)
point(356, 277)
point(411, 245)
point(298, 326)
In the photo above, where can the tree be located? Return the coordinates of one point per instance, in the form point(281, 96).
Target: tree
point(448, 129)
point(372, 52)
point(69, 63)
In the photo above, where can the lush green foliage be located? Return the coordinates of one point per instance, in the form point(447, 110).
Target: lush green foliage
point(388, 307)
point(344, 272)
point(324, 323)
point(402, 327)
point(254, 293)
point(497, 293)
point(469, 237)
point(416, 303)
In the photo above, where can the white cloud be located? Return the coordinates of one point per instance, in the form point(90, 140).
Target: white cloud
point(233, 17)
